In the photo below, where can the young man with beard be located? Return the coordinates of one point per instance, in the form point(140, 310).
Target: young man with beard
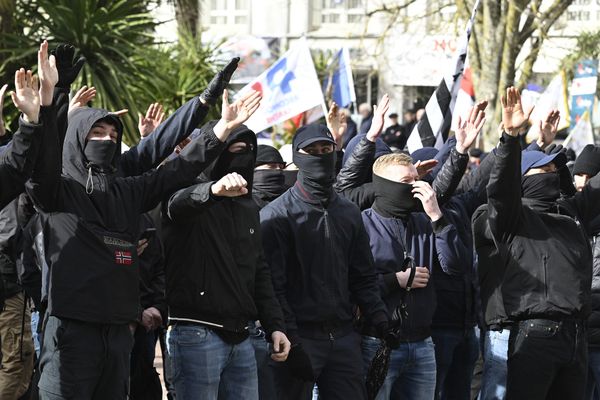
point(217, 279)
point(90, 228)
point(321, 264)
point(548, 264)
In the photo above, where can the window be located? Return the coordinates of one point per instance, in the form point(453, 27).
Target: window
point(241, 5)
point(231, 12)
point(241, 19)
point(218, 20)
point(343, 11)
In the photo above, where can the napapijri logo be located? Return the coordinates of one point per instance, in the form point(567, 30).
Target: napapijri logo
point(123, 257)
point(252, 231)
point(116, 242)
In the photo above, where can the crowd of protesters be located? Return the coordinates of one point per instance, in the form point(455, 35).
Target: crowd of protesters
point(356, 271)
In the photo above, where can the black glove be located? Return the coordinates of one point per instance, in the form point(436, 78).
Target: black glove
point(299, 364)
point(67, 69)
point(216, 86)
point(381, 322)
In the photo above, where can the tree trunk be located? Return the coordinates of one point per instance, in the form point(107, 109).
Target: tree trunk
point(187, 14)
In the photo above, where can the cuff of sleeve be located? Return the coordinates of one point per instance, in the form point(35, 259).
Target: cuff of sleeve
point(25, 124)
point(379, 318)
point(390, 281)
point(439, 225)
point(458, 155)
point(508, 139)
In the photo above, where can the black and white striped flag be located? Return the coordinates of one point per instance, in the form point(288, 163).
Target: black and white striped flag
point(433, 127)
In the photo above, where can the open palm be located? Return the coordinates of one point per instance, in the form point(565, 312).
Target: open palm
point(513, 115)
point(2, 128)
point(239, 112)
point(26, 96)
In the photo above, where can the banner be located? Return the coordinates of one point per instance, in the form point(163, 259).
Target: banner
point(554, 97)
point(340, 81)
point(581, 135)
point(583, 90)
point(289, 87)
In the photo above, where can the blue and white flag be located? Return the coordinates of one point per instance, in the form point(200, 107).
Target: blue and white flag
point(340, 81)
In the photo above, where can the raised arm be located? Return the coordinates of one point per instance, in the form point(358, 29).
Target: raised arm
point(162, 141)
point(504, 187)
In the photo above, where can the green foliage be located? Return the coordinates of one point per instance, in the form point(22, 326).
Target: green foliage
point(587, 47)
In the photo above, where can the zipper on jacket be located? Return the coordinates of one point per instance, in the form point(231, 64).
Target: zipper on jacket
point(326, 215)
point(545, 261)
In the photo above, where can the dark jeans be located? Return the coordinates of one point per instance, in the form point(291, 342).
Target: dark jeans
point(337, 364)
point(456, 352)
point(264, 364)
point(546, 360)
point(593, 379)
point(84, 361)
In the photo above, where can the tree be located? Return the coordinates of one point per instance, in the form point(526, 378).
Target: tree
point(187, 14)
point(586, 48)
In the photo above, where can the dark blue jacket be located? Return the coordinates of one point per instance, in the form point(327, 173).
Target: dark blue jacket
point(436, 246)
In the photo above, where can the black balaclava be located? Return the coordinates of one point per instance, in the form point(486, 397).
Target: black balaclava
point(241, 163)
point(290, 177)
point(100, 154)
point(394, 199)
point(542, 187)
point(271, 182)
point(316, 174)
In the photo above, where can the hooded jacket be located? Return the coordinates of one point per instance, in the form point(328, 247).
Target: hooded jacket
point(91, 219)
point(548, 256)
point(215, 267)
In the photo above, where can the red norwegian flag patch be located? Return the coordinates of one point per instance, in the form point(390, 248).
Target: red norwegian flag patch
point(123, 257)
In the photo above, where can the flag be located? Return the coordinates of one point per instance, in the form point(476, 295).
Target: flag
point(581, 135)
point(433, 127)
point(554, 97)
point(340, 81)
point(123, 257)
point(465, 98)
point(289, 87)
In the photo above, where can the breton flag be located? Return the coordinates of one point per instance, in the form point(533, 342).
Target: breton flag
point(581, 135)
point(433, 127)
point(339, 85)
point(289, 87)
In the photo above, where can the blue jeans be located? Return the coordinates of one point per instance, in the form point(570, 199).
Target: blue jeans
point(592, 387)
point(205, 367)
point(456, 352)
point(411, 373)
point(495, 356)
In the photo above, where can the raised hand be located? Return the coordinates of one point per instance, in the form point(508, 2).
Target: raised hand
point(82, 97)
point(424, 192)
point(26, 96)
point(219, 82)
point(237, 113)
point(425, 167)
point(231, 185)
point(154, 117)
point(68, 68)
point(2, 128)
point(379, 112)
point(513, 115)
point(337, 124)
point(48, 74)
point(547, 128)
point(467, 130)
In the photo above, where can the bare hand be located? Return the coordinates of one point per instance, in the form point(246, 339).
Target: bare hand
point(547, 129)
point(378, 118)
point(419, 281)
point(154, 117)
point(82, 97)
point(239, 112)
point(425, 167)
point(231, 185)
point(467, 131)
point(26, 96)
point(48, 74)
point(142, 244)
point(513, 116)
point(281, 346)
point(151, 318)
point(424, 192)
point(336, 122)
point(2, 128)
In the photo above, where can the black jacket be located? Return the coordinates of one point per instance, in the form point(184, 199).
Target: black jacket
point(549, 260)
point(320, 260)
point(594, 319)
point(216, 272)
point(18, 159)
point(99, 230)
point(152, 272)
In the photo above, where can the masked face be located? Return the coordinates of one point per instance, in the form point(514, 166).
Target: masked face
point(395, 199)
point(316, 173)
point(239, 157)
point(543, 186)
point(269, 181)
point(100, 153)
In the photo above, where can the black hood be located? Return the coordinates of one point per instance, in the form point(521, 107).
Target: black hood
point(74, 162)
point(215, 171)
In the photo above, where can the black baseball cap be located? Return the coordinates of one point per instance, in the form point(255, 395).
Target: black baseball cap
point(309, 134)
point(393, 115)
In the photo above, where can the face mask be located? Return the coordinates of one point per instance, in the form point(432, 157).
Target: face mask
point(542, 187)
point(241, 163)
point(316, 174)
point(100, 153)
point(290, 177)
point(394, 199)
point(271, 182)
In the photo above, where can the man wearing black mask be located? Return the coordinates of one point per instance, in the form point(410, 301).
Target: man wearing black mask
point(547, 281)
point(269, 175)
point(409, 236)
point(217, 279)
point(318, 250)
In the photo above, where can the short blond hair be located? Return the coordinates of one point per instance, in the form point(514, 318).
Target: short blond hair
point(391, 160)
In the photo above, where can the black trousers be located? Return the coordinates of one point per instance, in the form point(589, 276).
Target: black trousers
point(338, 366)
point(84, 361)
point(547, 360)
